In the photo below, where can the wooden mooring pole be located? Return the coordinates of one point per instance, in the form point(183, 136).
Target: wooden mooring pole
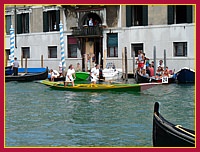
point(26, 64)
point(165, 63)
point(154, 58)
point(42, 61)
point(123, 71)
point(22, 61)
point(126, 65)
point(133, 63)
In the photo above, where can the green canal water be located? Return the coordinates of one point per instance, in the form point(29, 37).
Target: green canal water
point(38, 116)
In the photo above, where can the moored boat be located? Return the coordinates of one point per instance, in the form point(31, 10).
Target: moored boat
point(111, 72)
point(185, 75)
point(167, 134)
point(25, 77)
point(99, 87)
point(141, 79)
point(81, 76)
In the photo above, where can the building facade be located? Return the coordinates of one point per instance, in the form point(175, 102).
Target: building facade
point(101, 33)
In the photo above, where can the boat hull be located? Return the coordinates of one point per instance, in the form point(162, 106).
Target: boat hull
point(28, 76)
point(166, 134)
point(99, 87)
point(141, 79)
point(185, 75)
point(8, 70)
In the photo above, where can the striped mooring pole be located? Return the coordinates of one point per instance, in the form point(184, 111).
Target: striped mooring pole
point(62, 47)
point(12, 47)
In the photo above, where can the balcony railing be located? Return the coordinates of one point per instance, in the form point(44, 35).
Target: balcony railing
point(87, 31)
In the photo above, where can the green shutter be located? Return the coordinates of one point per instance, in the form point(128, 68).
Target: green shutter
point(19, 23)
point(145, 15)
point(45, 22)
point(189, 13)
point(27, 23)
point(8, 24)
point(128, 16)
point(113, 40)
point(57, 19)
point(170, 13)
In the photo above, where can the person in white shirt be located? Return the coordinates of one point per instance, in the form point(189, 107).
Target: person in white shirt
point(15, 66)
point(69, 77)
point(94, 74)
point(90, 22)
point(160, 64)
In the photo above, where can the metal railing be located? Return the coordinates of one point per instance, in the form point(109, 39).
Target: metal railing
point(87, 31)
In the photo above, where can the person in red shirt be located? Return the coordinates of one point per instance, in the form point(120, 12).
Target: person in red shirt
point(151, 69)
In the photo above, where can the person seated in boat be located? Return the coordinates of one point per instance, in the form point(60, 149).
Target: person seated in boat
point(151, 69)
point(54, 74)
point(144, 74)
point(78, 67)
point(159, 72)
point(94, 74)
point(148, 70)
point(161, 64)
point(69, 76)
point(166, 72)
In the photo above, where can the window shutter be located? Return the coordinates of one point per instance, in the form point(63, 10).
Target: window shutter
point(128, 16)
point(57, 19)
point(145, 15)
point(19, 24)
point(189, 13)
point(8, 24)
point(170, 13)
point(113, 40)
point(45, 22)
point(27, 23)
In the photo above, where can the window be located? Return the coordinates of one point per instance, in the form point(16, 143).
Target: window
point(178, 14)
point(72, 47)
point(51, 20)
point(112, 45)
point(52, 52)
point(136, 48)
point(7, 54)
point(26, 52)
point(22, 23)
point(180, 49)
point(136, 15)
point(8, 24)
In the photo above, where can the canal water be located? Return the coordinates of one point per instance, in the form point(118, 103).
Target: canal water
point(38, 116)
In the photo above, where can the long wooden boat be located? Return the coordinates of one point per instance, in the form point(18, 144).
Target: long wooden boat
point(166, 134)
point(185, 75)
point(28, 76)
point(141, 79)
point(99, 87)
point(8, 70)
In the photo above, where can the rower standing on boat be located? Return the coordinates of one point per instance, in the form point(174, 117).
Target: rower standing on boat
point(94, 74)
point(140, 60)
point(69, 77)
point(15, 66)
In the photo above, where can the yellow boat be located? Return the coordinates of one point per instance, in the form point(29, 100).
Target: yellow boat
point(99, 87)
